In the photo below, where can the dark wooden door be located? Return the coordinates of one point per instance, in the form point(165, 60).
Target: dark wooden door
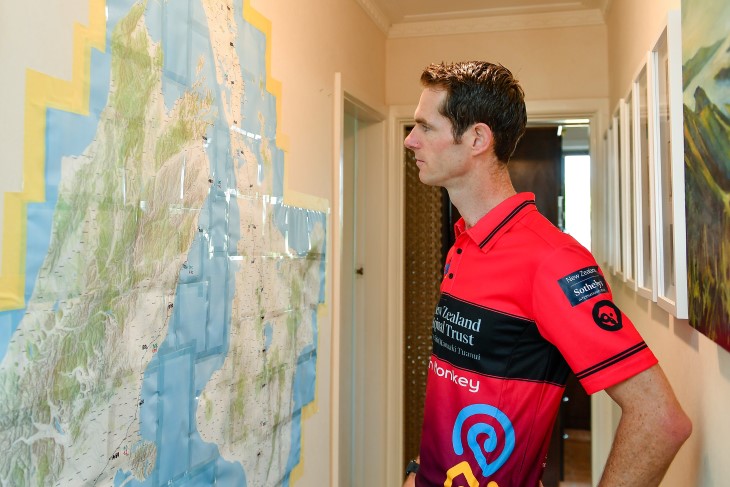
point(537, 166)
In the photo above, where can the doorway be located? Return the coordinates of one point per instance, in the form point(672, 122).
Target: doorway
point(538, 166)
point(553, 161)
point(361, 396)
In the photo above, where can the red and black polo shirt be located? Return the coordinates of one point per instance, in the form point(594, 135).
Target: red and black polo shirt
point(521, 304)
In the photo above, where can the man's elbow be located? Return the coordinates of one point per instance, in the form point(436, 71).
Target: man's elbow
point(677, 427)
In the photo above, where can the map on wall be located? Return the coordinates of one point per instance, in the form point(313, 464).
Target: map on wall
point(158, 300)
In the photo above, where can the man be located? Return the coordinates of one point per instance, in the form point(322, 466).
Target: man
point(521, 304)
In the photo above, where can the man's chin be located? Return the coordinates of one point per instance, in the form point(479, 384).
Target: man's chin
point(426, 180)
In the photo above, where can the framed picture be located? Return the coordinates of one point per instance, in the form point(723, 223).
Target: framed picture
point(665, 101)
point(645, 257)
point(610, 241)
point(627, 202)
point(706, 78)
point(616, 194)
point(603, 246)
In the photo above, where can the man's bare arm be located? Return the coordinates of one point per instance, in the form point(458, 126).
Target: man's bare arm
point(652, 428)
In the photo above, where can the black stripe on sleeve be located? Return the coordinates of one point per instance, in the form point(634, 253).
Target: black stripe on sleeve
point(611, 361)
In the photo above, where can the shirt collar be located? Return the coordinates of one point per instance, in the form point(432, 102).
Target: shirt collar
point(498, 220)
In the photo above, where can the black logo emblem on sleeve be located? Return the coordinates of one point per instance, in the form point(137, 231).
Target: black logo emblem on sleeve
point(607, 316)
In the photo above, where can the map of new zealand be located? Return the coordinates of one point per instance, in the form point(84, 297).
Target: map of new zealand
point(169, 298)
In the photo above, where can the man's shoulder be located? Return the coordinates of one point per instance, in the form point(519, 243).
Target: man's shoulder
point(542, 233)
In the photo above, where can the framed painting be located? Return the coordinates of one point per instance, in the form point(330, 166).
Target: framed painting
point(705, 49)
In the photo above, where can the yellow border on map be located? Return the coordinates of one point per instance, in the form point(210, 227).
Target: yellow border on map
point(43, 92)
point(292, 198)
point(273, 86)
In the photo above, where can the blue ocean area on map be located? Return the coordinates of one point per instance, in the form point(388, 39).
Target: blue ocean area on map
point(303, 394)
point(197, 339)
point(181, 22)
point(186, 359)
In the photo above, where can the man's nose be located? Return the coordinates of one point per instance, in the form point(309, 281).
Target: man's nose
point(409, 141)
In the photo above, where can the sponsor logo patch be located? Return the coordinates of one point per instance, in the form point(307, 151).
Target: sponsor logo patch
point(583, 284)
point(607, 316)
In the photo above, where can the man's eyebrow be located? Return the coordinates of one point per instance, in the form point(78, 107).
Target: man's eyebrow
point(420, 121)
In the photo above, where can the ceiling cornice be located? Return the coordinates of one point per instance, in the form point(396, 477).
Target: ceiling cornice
point(573, 18)
point(376, 14)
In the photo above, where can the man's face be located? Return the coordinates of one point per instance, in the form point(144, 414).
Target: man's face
point(441, 161)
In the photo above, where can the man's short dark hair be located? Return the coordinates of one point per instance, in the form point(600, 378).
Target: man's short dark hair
point(478, 91)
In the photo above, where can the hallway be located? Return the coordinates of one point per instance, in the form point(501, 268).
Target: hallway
point(577, 464)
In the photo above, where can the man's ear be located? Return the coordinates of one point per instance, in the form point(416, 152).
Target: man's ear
point(483, 138)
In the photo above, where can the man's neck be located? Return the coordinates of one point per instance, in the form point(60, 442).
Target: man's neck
point(478, 198)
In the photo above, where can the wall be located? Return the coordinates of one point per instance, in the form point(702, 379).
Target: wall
point(697, 368)
point(309, 43)
point(633, 28)
point(551, 64)
point(20, 24)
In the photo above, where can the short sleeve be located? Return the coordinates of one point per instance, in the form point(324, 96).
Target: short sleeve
point(574, 310)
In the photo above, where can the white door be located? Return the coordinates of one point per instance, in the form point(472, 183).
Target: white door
point(363, 282)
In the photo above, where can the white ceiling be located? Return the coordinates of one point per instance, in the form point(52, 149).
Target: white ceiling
point(400, 11)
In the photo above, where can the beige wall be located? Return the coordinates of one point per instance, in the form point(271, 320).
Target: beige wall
point(19, 24)
point(698, 369)
point(633, 28)
point(310, 42)
point(565, 63)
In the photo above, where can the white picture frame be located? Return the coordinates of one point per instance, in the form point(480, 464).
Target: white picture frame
point(609, 197)
point(667, 137)
point(628, 220)
point(616, 194)
point(604, 245)
point(644, 216)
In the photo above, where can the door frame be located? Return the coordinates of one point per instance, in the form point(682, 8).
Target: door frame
point(374, 245)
